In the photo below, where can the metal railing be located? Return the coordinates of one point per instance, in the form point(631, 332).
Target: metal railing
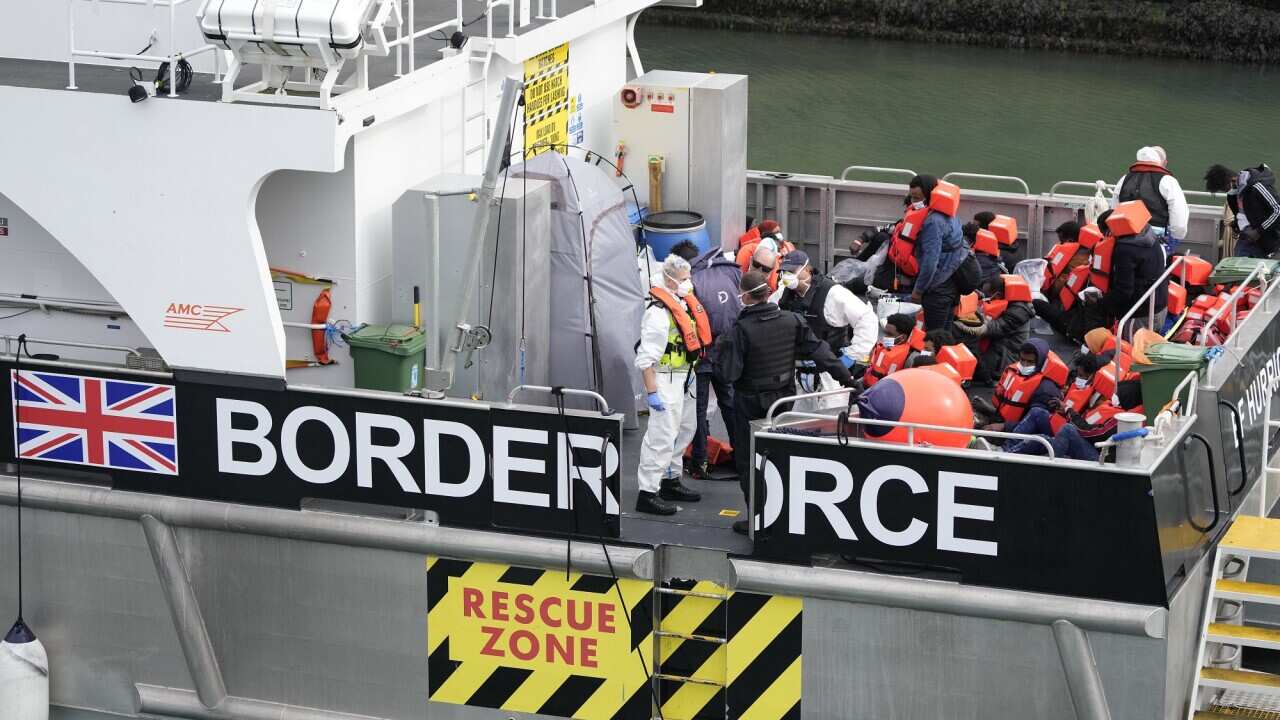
point(1150, 298)
point(912, 427)
point(877, 169)
point(172, 58)
point(982, 176)
point(1258, 272)
point(600, 401)
point(1110, 189)
point(10, 340)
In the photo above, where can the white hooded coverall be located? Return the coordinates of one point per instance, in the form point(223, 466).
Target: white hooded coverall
point(669, 431)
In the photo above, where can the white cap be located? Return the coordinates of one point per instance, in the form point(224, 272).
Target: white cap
point(1154, 154)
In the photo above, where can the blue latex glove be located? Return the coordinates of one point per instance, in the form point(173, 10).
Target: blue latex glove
point(846, 361)
point(655, 402)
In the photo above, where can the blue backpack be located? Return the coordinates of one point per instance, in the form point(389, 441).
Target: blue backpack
point(715, 283)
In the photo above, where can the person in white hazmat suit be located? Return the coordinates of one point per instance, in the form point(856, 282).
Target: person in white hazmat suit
point(836, 315)
point(673, 332)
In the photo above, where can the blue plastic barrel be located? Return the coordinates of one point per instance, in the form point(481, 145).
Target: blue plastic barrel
point(663, 230)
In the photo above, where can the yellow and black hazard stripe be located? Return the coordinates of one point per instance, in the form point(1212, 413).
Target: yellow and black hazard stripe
point(741, 650)
point(734, 655)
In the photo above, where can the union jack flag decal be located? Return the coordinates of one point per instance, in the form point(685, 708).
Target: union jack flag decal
point(121, 424)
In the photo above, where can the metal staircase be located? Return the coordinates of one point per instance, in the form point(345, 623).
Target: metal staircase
point(1223, 689)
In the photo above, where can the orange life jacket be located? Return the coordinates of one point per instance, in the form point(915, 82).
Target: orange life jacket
point(1058, 257)
point(1014, 390)
point(1089, 236)
point(1197, 269)
point(1005, 229)
point(1177, 298)
point(694, 327)
point(1129, 218)
point(1077, 280)
point(1100, 263)
point(749, 237)
point(968, 304)
point(1016, 289)
point(960, 358)
point(986, 243)
point(1102, 411)
point(992, 309)
point(946, 371)
point(945, 199)
point(902, 249)
point(1077, 398)
point(888, 360)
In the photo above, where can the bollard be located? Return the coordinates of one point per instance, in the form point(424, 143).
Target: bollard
point(1129, 447)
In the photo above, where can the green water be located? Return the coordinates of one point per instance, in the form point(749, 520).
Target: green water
point(819, 104)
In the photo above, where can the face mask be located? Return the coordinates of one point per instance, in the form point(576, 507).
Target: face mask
point(1026, 370)
point(683, 287)
point(917, 205)
point(789, 280)
point(743, 295)
point(1084, 349)
point(1082, 383)
point(888, 342)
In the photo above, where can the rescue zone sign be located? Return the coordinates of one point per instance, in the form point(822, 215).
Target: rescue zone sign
point(583, 646)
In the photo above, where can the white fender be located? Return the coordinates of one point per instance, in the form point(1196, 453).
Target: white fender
point(24, 676)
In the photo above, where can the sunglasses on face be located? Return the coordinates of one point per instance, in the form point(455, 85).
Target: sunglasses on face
point(762, 268)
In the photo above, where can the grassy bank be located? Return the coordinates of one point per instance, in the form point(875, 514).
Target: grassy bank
point(1209, 29)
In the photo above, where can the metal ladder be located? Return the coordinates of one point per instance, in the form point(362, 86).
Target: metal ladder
point(475, 151)
point(690, 634)
point(1222, 688)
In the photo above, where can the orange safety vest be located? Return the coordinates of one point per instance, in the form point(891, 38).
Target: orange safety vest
point(1100, 264)
point(1013, 391)
point(694, 327)
point(888, 360)
point(986, 243)
point(1077, 279)
point(1059, 257)
point(902, 249)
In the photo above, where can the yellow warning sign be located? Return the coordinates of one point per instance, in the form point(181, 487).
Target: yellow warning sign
point(546, 100)
point(583, 646)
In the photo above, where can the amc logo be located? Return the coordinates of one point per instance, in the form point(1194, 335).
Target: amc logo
point(183, 316)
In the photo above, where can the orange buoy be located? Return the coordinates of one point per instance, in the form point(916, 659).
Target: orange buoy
point(917, 395)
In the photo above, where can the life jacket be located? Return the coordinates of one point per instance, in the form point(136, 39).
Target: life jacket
point(1100, 264)
point(945, 199)
point(1077, 280)
point(888, 360)
point(946, 371)
point(1197, 315)
point(1058, 257)
point(1077, 398)
point(1016, 289)
point(1005, 229)
point(1197, 269)
point(960, 358)
point(1089, 236)
point(1013, 392)
point(968, 304)
point(690, 332)
point(992, 309)
point(1177, 299)
point(986, 243)
point(750, 237)
point(1142, 185)
point(1101, 412)
point(1129, 218)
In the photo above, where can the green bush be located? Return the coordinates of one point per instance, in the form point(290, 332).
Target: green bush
point(1242, 30)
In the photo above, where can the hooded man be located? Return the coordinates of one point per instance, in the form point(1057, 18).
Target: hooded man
point(1023, 387)
point(1253, 204)
point(1150, 181)
point(1005, 325)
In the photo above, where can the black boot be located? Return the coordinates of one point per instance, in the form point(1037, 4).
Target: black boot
point(648, 502)
point(673, 489)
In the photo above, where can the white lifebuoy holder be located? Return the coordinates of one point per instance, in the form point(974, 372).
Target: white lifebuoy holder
point(24, 675)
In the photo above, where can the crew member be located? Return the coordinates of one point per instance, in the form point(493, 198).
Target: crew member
point(1150, 181)
point(758, 358)
point(673, 332)
point(1136, 262)
point(1253, 204)
point(939, 251)
point(848, 325)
